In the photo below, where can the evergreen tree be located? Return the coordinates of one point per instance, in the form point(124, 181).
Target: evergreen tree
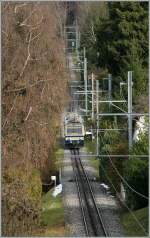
point(122, 41)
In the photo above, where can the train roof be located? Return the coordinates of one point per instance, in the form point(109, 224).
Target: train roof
point(74, 118)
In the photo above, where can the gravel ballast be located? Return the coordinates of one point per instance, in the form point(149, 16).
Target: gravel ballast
point(106, 202)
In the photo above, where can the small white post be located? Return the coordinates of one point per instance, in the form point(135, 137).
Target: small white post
point(53, 178)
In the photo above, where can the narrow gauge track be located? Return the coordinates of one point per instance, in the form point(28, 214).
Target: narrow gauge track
point(93, 222)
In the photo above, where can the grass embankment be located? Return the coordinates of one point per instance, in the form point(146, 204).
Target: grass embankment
point(52, 223)
point(131, 227)
point(91, 147)
point(52, 215)
point(59, 158)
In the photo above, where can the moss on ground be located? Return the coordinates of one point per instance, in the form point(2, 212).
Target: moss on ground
point(131, 227)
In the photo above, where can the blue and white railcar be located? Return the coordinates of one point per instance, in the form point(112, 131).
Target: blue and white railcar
point(74, 131)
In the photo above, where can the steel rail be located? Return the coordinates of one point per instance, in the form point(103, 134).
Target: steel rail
point(92, 231)
point(93, 200)
point(98, 228)
point(80, 200)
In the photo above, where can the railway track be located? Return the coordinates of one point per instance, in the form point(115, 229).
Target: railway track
point(92, 218)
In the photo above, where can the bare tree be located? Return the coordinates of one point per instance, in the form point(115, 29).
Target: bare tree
point(34, 93)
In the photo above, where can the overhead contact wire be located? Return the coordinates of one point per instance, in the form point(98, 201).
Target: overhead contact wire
point(127, 184)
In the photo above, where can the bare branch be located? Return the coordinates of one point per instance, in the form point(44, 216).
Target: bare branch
point(93, 33)
point(6, 120)
point(29, 86)
point(30, 110)
point(33, 38)
point(59, 17)
point(24, 21)
point(15, 90)
point(37, 59)
point(5, 33)
point(33, 27)
point(37, 24)
point(43, 91)
point(39, 123)
point(30, 36)
point(29, 42)
point(39, 81)
point(28, 57)
point(25, 64)
point(18, 6)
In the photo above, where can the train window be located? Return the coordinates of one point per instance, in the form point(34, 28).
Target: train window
point(77, 130)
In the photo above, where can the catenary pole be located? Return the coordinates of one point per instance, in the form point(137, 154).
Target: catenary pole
point(85, 81)
point(130, 109)
point(76, 33)
point(97, 117)
point(92, 96)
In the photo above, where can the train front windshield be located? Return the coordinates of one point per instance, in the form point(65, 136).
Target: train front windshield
point(74, 130)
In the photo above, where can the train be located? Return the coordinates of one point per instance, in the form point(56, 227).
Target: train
point(74, 131)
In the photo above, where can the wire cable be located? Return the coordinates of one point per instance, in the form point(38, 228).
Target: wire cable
point(118, 107)
point(124, 204)
point(133, 190)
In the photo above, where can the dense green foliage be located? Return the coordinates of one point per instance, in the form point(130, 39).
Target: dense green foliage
point(121, 42)
point(136, 174)
point(131, 227)
point(126, 41)
point(117, 42)
point(111, 167)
